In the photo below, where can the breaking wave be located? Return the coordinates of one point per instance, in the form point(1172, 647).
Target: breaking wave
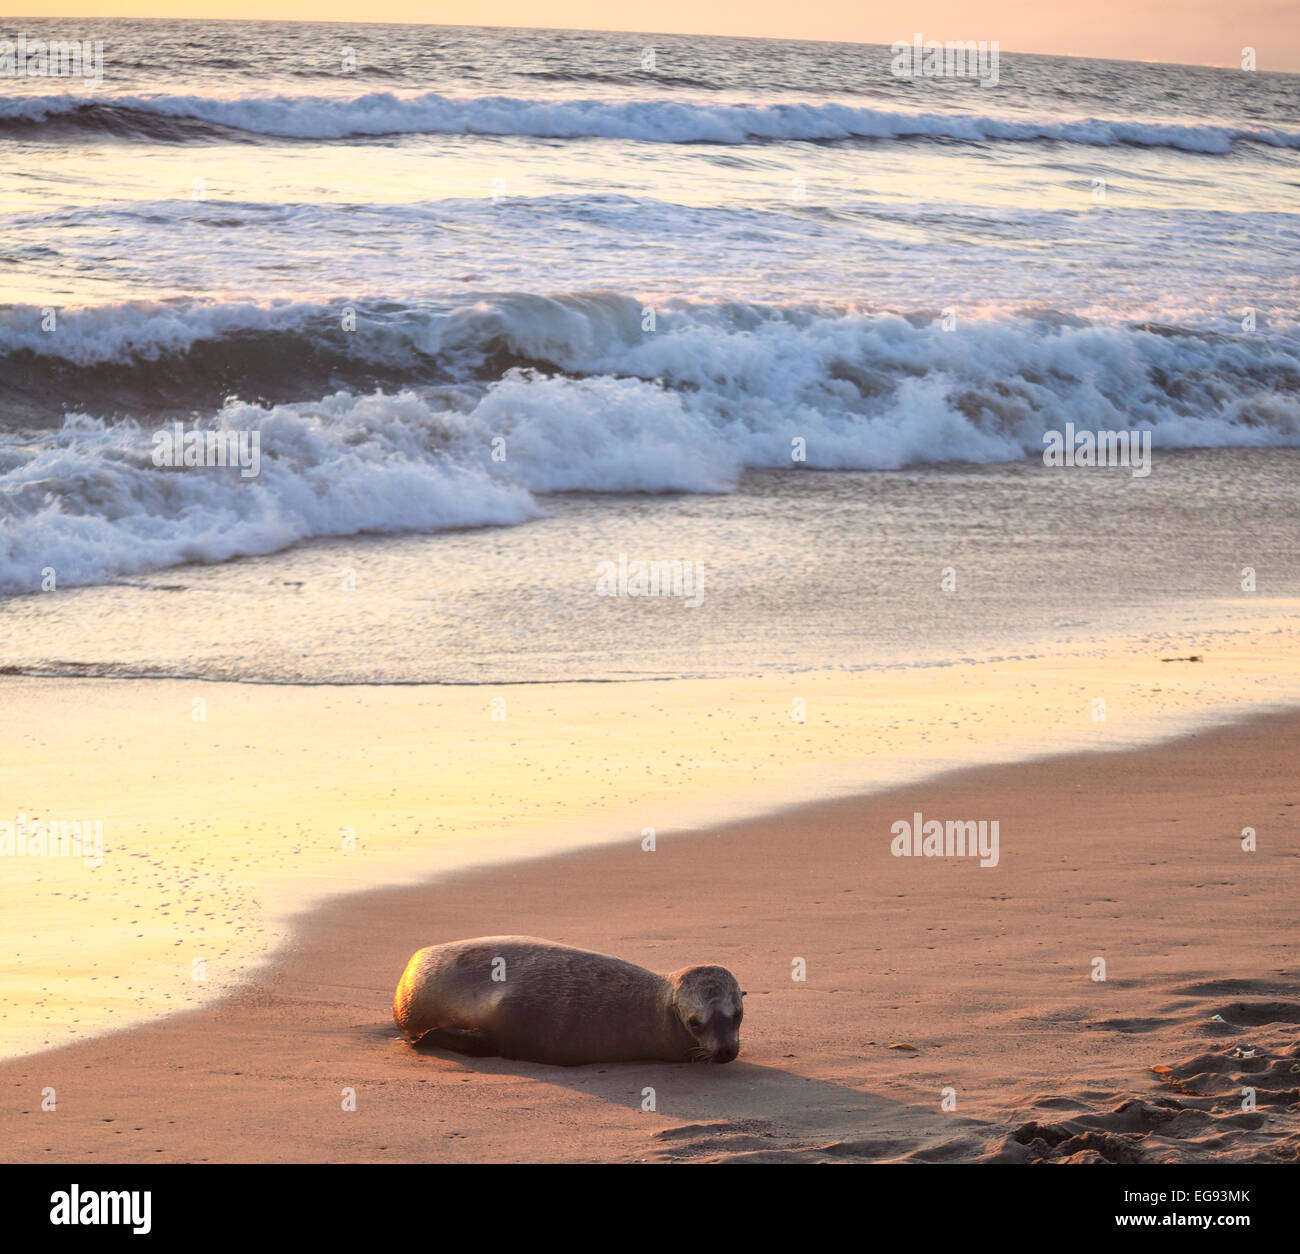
point(573, 393)
point(177, 119)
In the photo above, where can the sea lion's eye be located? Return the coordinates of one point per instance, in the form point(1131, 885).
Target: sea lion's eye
point(694, 1023)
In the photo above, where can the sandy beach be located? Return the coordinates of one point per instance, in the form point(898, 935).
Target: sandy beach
point(228, 810)
point(1135, 857)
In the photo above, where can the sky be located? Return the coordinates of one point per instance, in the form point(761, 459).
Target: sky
point(1204, 32)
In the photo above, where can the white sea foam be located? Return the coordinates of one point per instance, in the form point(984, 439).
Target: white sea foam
point(660, 121)
point(89, 503)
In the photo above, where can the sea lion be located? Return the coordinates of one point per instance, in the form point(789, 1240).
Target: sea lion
point(520, 997)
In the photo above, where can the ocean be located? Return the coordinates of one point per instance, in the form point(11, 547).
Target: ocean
point(507, 308)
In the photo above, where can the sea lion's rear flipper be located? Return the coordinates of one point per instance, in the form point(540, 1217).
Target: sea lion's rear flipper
point(460, 1041)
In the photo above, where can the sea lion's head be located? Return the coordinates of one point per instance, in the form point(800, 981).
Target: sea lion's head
point(707, 1000)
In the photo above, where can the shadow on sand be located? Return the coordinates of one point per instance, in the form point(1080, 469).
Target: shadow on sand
point(747, 1111)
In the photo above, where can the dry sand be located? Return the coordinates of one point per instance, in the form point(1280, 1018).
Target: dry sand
point(1135, 857)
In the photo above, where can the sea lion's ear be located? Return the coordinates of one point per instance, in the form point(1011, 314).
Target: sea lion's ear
point(743, 993)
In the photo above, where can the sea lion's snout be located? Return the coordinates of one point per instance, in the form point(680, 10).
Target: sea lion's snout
point(726, 1035)
point(719, 1038)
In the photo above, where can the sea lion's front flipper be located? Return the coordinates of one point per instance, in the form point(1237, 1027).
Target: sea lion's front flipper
point(460, 1041)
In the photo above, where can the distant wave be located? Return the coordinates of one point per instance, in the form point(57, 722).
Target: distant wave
point(177, 119)
point(603, 406)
